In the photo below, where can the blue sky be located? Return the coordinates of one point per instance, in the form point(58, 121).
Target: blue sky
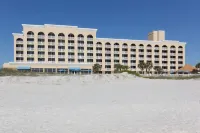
point(131, 19)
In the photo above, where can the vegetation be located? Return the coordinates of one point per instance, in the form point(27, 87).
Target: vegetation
point(97, 68)
point(148, 66)
point(120, 68)
point(158, 69)
point(174, 77)
point(142, 66)
point(198, 66)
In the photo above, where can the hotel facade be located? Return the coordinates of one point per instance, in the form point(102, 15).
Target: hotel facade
point(70, 49)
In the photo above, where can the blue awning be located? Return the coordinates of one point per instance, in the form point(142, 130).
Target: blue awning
point(74, 69)
point(23, 68)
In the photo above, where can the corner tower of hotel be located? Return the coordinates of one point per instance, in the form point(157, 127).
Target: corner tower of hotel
point(53, 48)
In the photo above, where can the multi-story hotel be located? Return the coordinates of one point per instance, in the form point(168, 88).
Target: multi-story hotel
point(59, 48)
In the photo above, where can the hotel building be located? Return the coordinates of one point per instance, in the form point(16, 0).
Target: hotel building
point(58, 48)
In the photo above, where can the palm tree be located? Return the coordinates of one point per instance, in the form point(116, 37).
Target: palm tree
point(125, 68)
point(158, 69)
point(96, 68)
point(148, 66)
point(198, 66)
point(142, 66)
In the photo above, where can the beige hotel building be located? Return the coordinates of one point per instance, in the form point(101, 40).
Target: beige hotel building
point(70, 49)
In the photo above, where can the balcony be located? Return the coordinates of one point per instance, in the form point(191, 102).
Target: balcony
point(41, 36)
point(132, 52)
point(80, 38)
point(180, 59)
point(133, 47)
point(30, 49)
point(149, 59)
point(70, 44)
point(107, 57)
point(116, 52)
point(80, 57)
point(163, 48)
point(41, 43)
point(108, 63)
point(99, 57)
point(164, 54)
point(124, 52)
point(81, 44)
point(71, 50)
point(30, 36)
point(89, 57)
point(30, 55)
point(52, 62)
point(51, 56)
point(156, 53)
point(156, 64)
point(89, 45)
point(70, 38)
point(107, 52)
point(41, 49)
point(61, 38)
point(165, 70)
point(149, 53)
point(99, 51)
point(149, 48)
point(19, 42)
point(180, 65)
point(172, 54)
point(180, 54)
point(51, 43)
point(41, 56)
point(80, 51)
point(19, 48)
point(61, 44)
point(108, 46)
point(116, 63)
point(164, 59)
point(180, 49)
point(133, 58)
point(61, 50)
point(141, 47)
point(89, 39)
point(141, 53)
point(90, 51)
point(19, 55)
point(124, 46)
point(133, 64)
point(125, 64)
point(51, 50)
point(156, 59)
point(164, 64)
point(98, 45)
point(173, 49)
point(125, 58)
point(156, 48)
point(172, 59)
point(70, 56)
point(19, 61)
point(172, 64)
point(30, 42)
point(61, 56)
point(115, 46)
point(51, 37)
point(108, 69)
point(61, 62)
point(141, 58)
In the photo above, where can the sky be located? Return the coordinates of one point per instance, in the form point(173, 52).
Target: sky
point(126, 19)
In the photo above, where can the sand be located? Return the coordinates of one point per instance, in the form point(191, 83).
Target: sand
point(98, 104)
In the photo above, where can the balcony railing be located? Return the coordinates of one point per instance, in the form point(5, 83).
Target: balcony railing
point(61, 38)
point(51, 37)
point(124, 52)
point(30, 42)
point(80, 57)
point(81, 44)
point(80, 51)
point(133, 64)
point(108, 57)
point(156, 59)
point(89, 57)
point(164, 59)
point(70, 44)
point(99, 51)
point(156, 48)
point(108, 63)
point(141, 47)
point(156, 53)
point(89, 45)
point(99, 57)
point(90, 51)
point(163, 48)
point(41, 36)
point(180, 49)
point(30, 55)
point(51, 56)
point(61, 44)
point(125, 58)
point(80, 38)
point(19, 55)
point(108, 46)
point(19, 42)
point(71, 56)
point(19, 61)
point(133, 47)
point(70, 38)
point(41, 43)
point(164, 54)
point(149, 48)
point(41, 56)
point(173, 49)
point(141, 58)
point(164, 64)
point(172, 59)
point(141, 53)
point(30, 36)
point(51, 43)
point(99, 45)
point(115, 46)
point(180, 54)
point(116, 57)
point(156, 64)
point(70, 50)
point(172, 64)
point(133, 58)
point(19, 48)
point(132, 52)
point(61, 56)
point(107, 52)
point(61, 50)
point(108, 69)
point(30, 49)
point(116, 52)
point(51, 50)
point(172, 54)
point(149, 53)
point(89, 39)
point(180, 59)
point(149, 58)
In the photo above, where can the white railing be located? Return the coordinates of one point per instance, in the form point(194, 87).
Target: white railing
point(108, 63)
point(149, 53)
point(99, 57)
point(124, 58)
point(19, 61)
point(108, 69)
point(81, 51)
point(163, 48)
point(164, 53)
point(89, 39)
point(116, 57)
point(61, 50)
point(133, 47)
point(90, 45)
point(99, 45)
point(61, 56)
point(70, 56)
point(30, 36)
point(156, 53)
point(89, 57)
point(99, 51)
point(141, 47)
point(30, 49)
point(180, 54)
point(61, 44)
point(172, 64)
point(180, 59)
point(124, 46)
point(70, 44)
point(133, 52)
point(19, 42)
point(41, 36)
point(172, 54)
point(51, 43)
point(180, 49)
point(156, 64)
point(124, 52)
point(133, 58)
point(51, 37)
point(30, 42)
point(30, 55)
point(172, 59)
point(19, 48)
point(172, 49)
point(81, 44)
point(141, 53)
point(41, 55)
point(41, 49)
point(115, 46)
point(19, 55)
point(90, 51)
point(108, 46)
point(70, 38)
point(51, 50)
point(107, 57)
point(156, 48)
point(51, 56)
point(164, 59)
point(80, 57)
point(133, 64)
point(116, 52)
point(149, 47)
point(40, 43)
point(164, 64)
point(70, 50)
point(80, 38)
point(149, 58)
point(108, 52)
point(156, 59)
point(61, 37)
point(141, 58)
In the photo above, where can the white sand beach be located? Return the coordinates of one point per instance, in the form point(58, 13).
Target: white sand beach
point(98, 104)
